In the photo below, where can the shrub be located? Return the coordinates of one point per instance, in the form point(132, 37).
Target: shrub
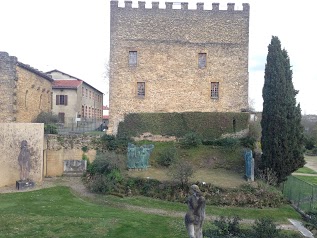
point(46, 118)
point(85, 157)
point(225, 227)
point(50, 129)
point(190, 140)
point(248, 142)
point(265, 228)
point(167, 157)
point(225, 142)
point(104, 174)
point(181, 171)
point(112, 143)
point(255, 130)
point(309, 142)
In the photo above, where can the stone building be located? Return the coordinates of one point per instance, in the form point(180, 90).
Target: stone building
point(74, 99)
point(177, 60)
point(24, 91)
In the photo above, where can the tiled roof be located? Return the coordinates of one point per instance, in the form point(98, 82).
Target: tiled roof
point(55, 70)
point(71, 84)
point(105, 117)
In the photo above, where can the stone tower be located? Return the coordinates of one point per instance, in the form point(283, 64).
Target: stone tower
point(177, 60)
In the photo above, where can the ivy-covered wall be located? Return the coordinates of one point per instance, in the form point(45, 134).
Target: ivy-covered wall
point(209, 125)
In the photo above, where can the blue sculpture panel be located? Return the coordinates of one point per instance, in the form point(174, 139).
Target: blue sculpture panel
point(249, 165)
point(138, 157)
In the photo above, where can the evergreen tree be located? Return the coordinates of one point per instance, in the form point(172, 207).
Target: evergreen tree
point(282, 134)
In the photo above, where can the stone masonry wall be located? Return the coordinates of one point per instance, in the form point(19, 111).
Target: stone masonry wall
point(65, 147)
point(168, 42)
point(11, 136)
point(33, 95)
point(8, 81)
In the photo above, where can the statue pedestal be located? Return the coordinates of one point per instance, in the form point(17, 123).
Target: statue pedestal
point(24, 184)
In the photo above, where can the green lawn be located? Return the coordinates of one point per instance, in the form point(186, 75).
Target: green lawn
point(308, 179)
point(56, 212)
point(305, 170)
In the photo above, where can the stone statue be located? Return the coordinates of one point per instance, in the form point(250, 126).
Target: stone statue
point(195, 215)
point(24, 161)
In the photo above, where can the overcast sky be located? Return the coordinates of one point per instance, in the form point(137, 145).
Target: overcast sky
point(73, 36)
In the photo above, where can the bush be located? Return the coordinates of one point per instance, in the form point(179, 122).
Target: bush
point(181, 171)
point(49, 119)
point(46, 118)
point(85, 157)
point(255, 130)
point(265, 228)
point(167, 157)
point(225, 227)
point(309, 142)
point(104, 174)
point(248, 142)
point(50, 129)
point(190, 140)
point(112, 143)
point(225, 142)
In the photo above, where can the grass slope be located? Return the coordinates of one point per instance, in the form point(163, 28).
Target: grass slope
point(56, 212)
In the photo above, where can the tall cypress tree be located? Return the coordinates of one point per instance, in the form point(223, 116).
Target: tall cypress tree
point(282, 133)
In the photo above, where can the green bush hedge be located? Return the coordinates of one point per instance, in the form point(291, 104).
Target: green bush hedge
point(209, 125)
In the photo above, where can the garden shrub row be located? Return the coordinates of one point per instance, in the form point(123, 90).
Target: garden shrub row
point(208, 125)
point(244, 196)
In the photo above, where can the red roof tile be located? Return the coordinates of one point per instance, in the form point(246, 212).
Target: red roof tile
point(73, 84)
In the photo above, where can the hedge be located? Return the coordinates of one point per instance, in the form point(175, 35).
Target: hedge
point(209, 125)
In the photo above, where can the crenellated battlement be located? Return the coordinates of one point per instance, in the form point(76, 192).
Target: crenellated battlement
point(184, 6)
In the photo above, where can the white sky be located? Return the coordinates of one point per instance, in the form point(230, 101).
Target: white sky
point(73, 36)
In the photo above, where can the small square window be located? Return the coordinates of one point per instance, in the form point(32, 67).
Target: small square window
point(133, 58)
point(61, 100)
point(202, 60)
point(215, 90)
point(141, 89)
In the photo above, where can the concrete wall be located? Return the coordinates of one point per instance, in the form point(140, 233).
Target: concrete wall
point(33, 95)
point(168, 42)
point(11, 135)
